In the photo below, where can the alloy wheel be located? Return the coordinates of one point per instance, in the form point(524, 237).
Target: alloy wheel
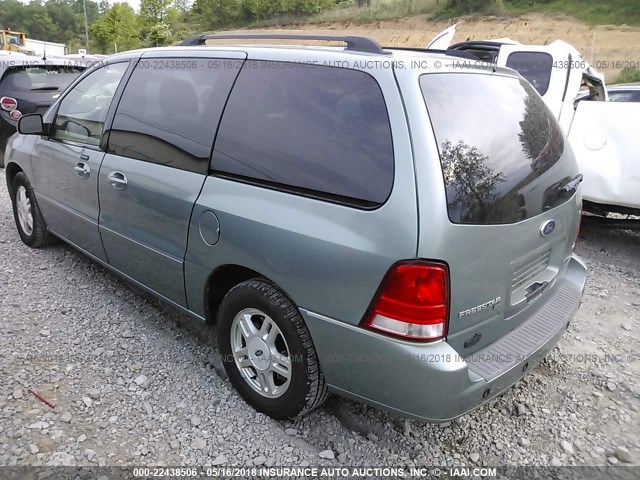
point(261, 353)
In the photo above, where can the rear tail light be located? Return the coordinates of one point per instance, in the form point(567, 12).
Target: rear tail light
point(412, 302)
point(8, 103)
point(15, 114)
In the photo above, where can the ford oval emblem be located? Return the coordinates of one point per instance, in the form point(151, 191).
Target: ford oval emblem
point(547, 228)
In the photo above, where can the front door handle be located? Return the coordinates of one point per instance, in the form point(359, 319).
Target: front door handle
point(82, 170)
point(118, 180)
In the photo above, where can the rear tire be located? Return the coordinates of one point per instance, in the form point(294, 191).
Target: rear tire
point(268, 352)
point(29, 221)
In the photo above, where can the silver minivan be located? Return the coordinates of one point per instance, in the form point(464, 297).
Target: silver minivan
point(390, 225)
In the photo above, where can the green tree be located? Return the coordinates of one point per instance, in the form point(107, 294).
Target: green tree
point(117, 26)
point(103, 6)
point(93, 10)
point(181, 23)
point(306, 7)
point(14, 14)
point(261, 9)
point(473, 181)
point(153, 11)
point(154, 29)
point(535, 128)
point(181, 5)
point(216, 13)
point(159, 35)
point(540, 135)
point(53, 21)
point(40, 26)
point(66, 23)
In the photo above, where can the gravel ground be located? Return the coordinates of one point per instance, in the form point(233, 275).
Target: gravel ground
point(137, 383)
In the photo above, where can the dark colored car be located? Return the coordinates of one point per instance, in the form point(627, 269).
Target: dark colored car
point(30, 85)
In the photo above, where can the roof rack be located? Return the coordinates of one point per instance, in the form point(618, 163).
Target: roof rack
point(355, 43)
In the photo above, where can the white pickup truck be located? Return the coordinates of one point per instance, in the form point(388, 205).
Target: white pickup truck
point(605, 136)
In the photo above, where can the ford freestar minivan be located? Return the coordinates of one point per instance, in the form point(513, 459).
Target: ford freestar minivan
point(385, 224)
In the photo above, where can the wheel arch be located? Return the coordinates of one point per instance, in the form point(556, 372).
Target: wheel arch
point(11, 170)
point(223, 279)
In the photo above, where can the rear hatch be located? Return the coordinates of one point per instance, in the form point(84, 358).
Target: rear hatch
point(36, 87)
point(511, 182)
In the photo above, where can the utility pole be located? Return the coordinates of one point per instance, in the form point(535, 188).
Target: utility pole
point(86, 26)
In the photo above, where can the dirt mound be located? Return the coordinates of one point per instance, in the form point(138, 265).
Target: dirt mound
point(599, 44)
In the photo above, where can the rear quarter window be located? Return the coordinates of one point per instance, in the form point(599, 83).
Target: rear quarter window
point(502, 152)
point(318, 131)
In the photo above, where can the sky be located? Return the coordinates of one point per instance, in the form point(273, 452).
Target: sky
point(134, 3)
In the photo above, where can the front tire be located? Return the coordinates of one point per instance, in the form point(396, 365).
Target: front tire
point(26, 213)
point(267, 351)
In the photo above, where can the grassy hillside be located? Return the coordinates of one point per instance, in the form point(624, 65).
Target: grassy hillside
point(593, 12)
point(628, 75)
point(608, 48)
point(380, 10)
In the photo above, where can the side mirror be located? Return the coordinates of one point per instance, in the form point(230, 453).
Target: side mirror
point(31, 125)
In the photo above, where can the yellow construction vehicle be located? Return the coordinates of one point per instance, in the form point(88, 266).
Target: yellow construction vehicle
point(14, 42)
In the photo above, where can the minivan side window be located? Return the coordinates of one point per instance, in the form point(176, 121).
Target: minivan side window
point(315, 130)
point(170, 109)
point(82, 112)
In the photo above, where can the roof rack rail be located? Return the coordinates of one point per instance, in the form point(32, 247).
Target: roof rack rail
point(355, 43)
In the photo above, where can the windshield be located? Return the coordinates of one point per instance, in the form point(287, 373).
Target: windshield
point(13, 39)
point(503, 154)
point(34, 78)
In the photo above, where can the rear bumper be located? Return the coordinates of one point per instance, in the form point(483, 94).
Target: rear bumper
point(433, 382)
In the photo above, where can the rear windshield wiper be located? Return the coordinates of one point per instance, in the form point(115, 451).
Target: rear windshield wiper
point(48, 87)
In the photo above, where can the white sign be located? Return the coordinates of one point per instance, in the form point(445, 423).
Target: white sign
point(82, 51)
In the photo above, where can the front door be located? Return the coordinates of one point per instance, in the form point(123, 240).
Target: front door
point(66, 163)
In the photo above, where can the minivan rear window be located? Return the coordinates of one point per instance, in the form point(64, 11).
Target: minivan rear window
point(502, 152)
